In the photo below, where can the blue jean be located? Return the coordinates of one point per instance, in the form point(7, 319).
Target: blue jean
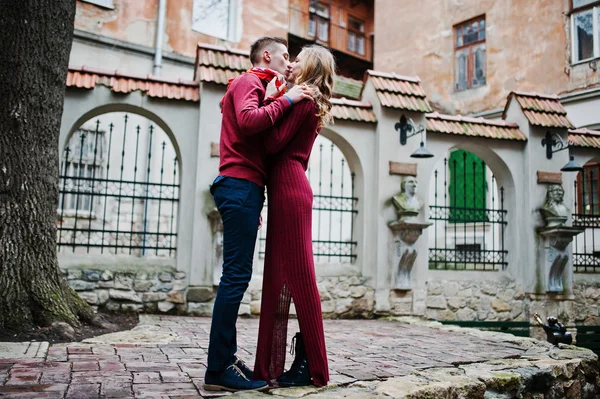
point(239, 202)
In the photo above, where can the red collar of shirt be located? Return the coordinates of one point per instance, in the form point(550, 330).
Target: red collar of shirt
point(264, 74)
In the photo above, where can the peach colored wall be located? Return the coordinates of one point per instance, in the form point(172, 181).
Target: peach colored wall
point(527, 48)
point(131, 21)
point(134, 21)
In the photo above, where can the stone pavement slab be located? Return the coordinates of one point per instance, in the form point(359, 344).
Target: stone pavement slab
point(165, 357)
point(23, 350)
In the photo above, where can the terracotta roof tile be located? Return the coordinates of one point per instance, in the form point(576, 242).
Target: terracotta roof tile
point(88, 78)
point(80, 79)
point(547, 119)
point(401, 92)
point(541, 110)
point(216, 75)
point(584, 138)
point(344, 109)
point(218, 64)
point(475, 127)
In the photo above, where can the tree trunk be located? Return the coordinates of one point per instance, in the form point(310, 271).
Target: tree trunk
point(36, 38)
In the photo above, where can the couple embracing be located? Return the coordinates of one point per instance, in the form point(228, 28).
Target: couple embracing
point(267, 135)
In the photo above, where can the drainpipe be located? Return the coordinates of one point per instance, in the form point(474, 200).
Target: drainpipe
point(160, 33)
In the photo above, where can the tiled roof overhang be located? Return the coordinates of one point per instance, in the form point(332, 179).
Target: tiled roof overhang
point(217, 64)
point(87, 78)
point(584, 138)
point(400, 92)
point(541, 110)
point(344, 109)
point(474, 127)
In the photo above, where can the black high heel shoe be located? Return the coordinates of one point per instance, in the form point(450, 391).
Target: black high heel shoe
point(298, 375)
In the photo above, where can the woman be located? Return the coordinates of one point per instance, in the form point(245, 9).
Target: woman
point(289, 264)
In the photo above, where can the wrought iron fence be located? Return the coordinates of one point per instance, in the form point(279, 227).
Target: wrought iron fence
point(469, 217)
point(334, 206)
point(586, 214)
point(127, 208)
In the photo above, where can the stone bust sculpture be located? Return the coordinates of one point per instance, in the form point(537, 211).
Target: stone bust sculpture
point(407, 203)
point(554, 212)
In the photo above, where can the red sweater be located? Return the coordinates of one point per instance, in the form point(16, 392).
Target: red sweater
point(242, 131)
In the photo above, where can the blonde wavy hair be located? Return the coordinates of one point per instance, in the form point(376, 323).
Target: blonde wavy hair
point(317, 71)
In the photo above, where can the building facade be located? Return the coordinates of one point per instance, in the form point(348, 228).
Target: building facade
point(472, 54)
point(127, 35)
point(138, 228)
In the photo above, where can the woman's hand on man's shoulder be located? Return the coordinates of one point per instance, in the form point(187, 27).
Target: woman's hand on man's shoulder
point(299, 93)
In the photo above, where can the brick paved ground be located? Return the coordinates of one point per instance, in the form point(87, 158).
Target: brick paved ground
point(165, 357)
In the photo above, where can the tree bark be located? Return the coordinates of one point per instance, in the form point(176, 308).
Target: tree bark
point(36, 37)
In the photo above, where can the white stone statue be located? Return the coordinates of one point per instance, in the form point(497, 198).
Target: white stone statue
point(407, 204)
point(554, 212)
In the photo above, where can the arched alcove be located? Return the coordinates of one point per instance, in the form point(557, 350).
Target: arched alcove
point(119, 184)
point(336, 178)
point(471, 197)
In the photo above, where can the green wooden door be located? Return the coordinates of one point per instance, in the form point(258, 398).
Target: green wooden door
point(468, 187)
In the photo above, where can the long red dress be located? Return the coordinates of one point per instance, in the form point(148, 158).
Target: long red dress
point(289, 270)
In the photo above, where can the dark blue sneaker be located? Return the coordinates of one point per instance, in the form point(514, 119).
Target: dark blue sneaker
point(243, 368)
point(232, 380)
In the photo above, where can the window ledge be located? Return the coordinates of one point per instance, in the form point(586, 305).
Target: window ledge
point(470, 89)
point(109, 5)
point(583, 62)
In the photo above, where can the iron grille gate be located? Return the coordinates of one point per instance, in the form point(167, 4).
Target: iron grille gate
point(334, 205)
point(586, 246)
point(469, 223)
point(129, 208)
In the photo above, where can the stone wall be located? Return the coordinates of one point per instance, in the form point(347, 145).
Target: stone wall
point(474, 300)
point(343, 296)
point(586, 309)
point(506, 301)
point(152, 289)
point(164, 290)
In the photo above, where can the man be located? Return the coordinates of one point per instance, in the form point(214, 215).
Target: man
point(239, 195)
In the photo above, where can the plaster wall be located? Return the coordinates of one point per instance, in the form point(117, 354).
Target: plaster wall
point(528, 49)
point(135, 22)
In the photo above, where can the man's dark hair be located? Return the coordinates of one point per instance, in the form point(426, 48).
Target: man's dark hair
point(259, 45)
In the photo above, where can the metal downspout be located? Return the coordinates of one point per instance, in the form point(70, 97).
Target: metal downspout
point(160, 33)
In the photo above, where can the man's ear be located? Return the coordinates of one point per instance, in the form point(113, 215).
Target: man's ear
point(267, 55)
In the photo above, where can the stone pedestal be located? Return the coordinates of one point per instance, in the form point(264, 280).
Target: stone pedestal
point(403, 253)
point(555, 255)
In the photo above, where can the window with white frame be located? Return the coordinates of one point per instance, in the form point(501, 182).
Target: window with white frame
point(101, 3)
point(470, 54)
point(215, 18)
point(585, 28)
point(83, 165)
